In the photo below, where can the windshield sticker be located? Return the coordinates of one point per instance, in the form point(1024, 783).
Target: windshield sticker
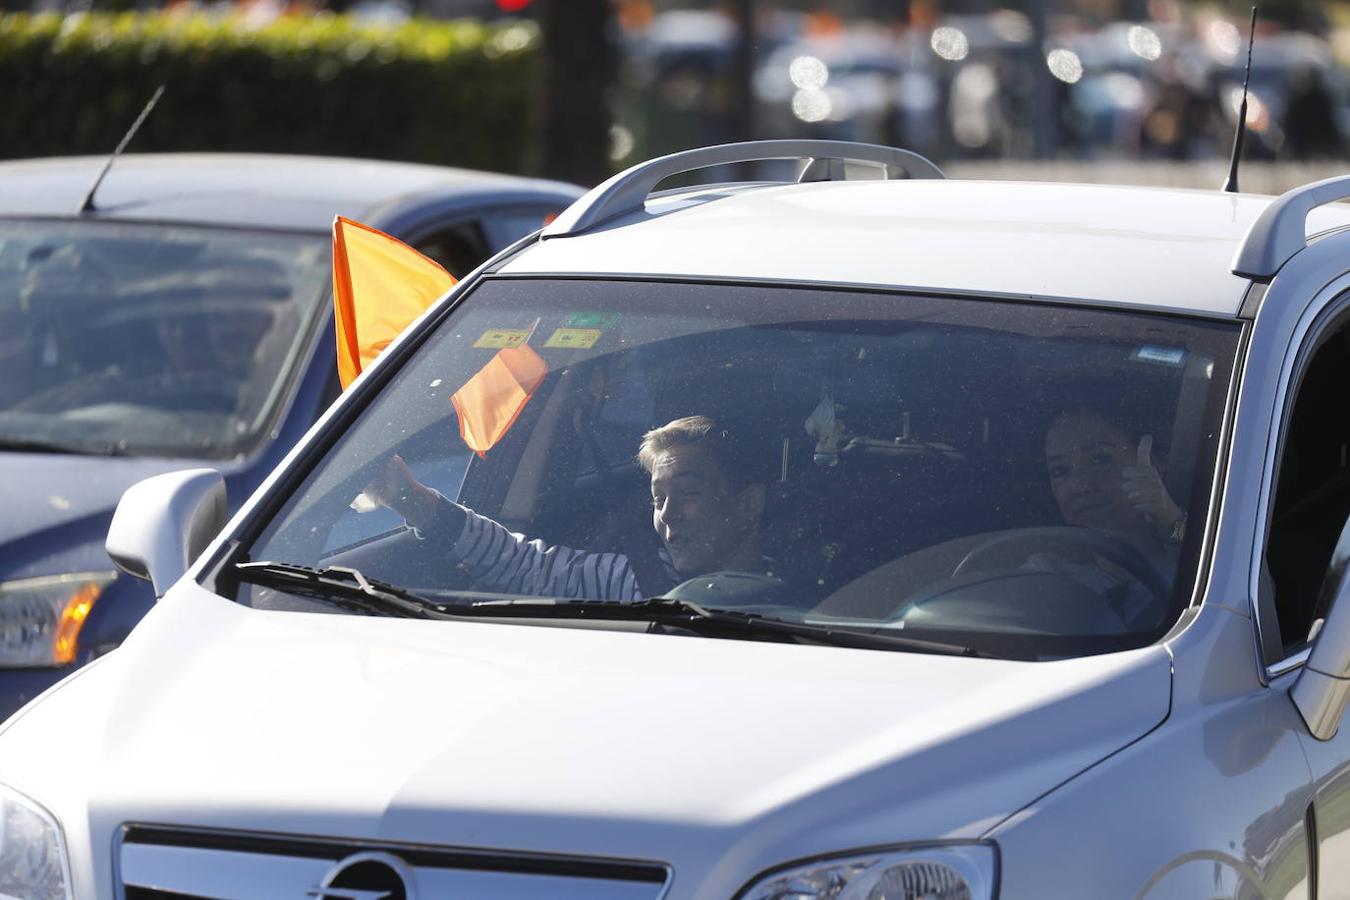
point(501, 338)
point(573, 338)
point(601, 320)
point(1167, 356)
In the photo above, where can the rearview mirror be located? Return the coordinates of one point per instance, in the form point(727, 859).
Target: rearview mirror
point(1323, 687)
point(163, 523)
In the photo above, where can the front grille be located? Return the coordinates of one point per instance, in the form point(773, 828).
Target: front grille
point(163, 863)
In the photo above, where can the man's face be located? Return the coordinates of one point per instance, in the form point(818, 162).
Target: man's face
point(705, 523)
point(1086, 457)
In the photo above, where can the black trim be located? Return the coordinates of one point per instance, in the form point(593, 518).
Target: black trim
point(1314, 849)
point(1204, 562)
point(1253, 298)
point(462, 858)
point(905, 290)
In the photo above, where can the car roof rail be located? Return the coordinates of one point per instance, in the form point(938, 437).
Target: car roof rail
point(1281, 231)
point(628, 190)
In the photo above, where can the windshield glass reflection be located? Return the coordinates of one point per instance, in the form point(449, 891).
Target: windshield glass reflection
point(1020, 478)
point(149, 339)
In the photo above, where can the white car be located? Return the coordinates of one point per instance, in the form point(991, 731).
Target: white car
point(985, 541)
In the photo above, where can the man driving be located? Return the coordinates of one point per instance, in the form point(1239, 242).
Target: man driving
point(1104, 479)
point(707, 506)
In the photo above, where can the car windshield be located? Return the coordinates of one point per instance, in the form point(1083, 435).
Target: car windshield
point(1026, 479)
point(150, 339)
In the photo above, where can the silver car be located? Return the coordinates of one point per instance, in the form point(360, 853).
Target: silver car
point(887, 537)
point(179, 315)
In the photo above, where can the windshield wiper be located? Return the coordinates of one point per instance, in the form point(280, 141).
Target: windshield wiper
point(28, 445)
point(713, 622)
point(349, 588)
point(342, 586)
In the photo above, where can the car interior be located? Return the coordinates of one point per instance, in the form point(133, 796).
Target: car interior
point(898, 455)
point(1312, 495)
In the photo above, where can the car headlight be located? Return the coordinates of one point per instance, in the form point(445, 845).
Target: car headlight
point(33, 862)
point(952, 872)
point(41, 618)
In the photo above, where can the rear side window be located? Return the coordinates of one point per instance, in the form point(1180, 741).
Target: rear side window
point(459, 249)
point(1312, 494)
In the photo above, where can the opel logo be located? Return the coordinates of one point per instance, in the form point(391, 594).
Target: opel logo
point(366, 876)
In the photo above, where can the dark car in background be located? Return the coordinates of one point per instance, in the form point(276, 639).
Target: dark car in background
point(183, 319)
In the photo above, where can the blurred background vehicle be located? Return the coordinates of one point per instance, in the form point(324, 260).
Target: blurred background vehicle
point(838, 84)
point(185, 320)
point(1298, 103)
point(1045, 81)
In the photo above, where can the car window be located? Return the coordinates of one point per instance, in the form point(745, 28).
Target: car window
point(149, 339)
point(1025, 478)
point(506, 226)
point(458, 248)
point(461, 247)
point(1312, 491)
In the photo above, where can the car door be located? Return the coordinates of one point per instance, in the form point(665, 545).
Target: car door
point(1309, 506)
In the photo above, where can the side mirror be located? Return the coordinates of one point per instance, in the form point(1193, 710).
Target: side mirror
point(1323, 687)
point(163, 523)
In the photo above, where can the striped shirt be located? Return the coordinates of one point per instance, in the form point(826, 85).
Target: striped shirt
point(501, 560)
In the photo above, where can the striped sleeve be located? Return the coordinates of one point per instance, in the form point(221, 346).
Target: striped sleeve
point(502, 560)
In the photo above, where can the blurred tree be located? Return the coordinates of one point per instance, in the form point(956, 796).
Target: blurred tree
point(579, 63)
point(743, 102)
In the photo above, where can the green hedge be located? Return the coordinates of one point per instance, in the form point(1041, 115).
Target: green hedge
point(455, 93)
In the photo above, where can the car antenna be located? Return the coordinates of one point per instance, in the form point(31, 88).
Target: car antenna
point(1231, 185)
point(88, 204)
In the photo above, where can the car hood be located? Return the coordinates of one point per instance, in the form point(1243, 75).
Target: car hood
point(42, 492)
point(561, 739)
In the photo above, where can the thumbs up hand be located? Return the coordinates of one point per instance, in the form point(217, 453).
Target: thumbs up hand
point(1144, 487)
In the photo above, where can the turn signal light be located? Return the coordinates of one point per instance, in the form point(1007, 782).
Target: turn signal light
point(72, 619)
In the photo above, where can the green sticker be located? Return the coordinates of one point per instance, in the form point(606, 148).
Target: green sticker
point(601, 320)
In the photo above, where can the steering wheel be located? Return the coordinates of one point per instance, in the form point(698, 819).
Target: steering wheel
point(745, 591)
point(1007, 550)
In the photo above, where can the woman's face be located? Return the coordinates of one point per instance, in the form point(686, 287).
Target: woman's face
point(1086, 457)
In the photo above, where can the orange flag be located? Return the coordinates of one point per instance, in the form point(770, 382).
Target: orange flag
point(490, 401)
point(380, 285)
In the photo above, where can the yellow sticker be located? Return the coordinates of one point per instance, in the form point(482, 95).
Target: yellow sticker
point(502, 337)
point(573, 337)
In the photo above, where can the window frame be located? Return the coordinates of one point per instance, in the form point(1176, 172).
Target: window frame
point(354, 405)
point(1328, 311)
